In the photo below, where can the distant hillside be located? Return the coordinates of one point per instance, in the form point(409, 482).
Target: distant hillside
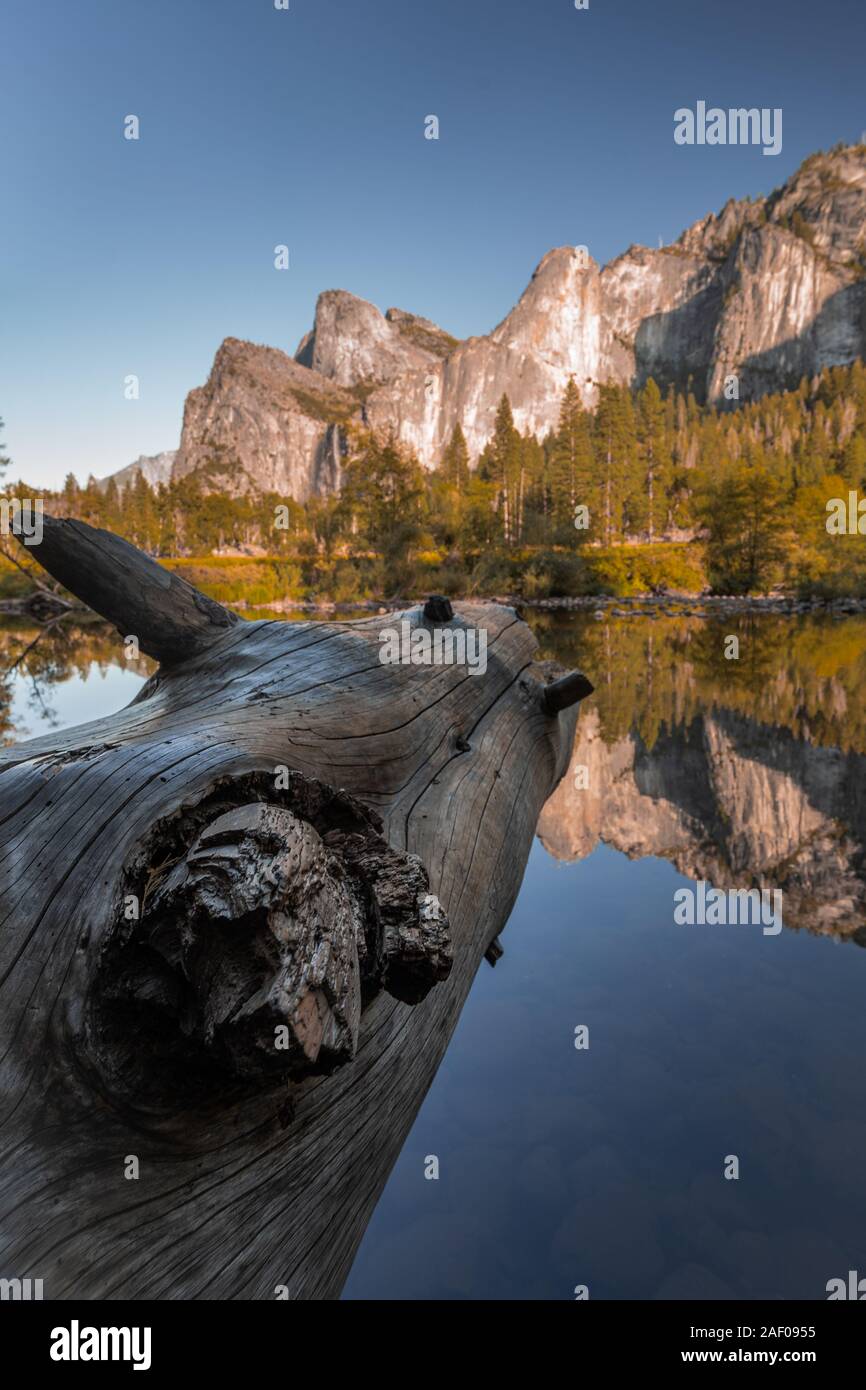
point(155, 468)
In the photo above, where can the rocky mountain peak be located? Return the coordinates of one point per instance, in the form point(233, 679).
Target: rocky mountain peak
point(353, 343)
point(823, 203)
point(154, 468)
point(714, 234)
point(554, 317)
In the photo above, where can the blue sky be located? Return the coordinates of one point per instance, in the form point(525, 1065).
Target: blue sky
point(305, 127)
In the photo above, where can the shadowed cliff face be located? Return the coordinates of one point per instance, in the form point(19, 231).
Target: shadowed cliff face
point(770, 290)
point(723, 794)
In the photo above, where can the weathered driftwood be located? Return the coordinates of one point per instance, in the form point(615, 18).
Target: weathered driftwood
point(222, 948)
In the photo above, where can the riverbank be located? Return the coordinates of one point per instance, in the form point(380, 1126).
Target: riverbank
point(625, 580)
point(701, 606)
point(269, 586)
point(669, 604)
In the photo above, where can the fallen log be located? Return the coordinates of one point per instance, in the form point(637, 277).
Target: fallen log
point(239, 921)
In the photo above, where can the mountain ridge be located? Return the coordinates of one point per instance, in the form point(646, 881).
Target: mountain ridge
point(765, 291)
point(154, 468)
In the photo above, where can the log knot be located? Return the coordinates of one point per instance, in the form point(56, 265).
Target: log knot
point(260, 943)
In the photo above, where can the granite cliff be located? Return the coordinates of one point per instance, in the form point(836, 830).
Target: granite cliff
point(767, 290)
point(264, 422)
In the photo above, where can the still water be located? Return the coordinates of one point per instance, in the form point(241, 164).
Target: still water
point(604, 1166)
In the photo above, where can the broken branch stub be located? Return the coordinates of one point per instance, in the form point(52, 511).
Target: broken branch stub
point(172, 620)
point(568, 690)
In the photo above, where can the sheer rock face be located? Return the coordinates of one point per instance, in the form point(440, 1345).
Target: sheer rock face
point(769, 291)
point(724, 799)
point(552, 334)
point(263, 422)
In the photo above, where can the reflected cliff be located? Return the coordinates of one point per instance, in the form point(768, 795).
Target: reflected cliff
point(745, 773)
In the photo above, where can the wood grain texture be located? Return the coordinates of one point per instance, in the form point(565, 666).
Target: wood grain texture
point(246, 1184)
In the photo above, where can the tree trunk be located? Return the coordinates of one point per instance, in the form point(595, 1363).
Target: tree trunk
point(227, 981)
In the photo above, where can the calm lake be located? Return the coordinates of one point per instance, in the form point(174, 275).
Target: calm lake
point(604, 1165)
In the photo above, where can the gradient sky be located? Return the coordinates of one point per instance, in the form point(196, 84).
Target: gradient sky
point(305, 127)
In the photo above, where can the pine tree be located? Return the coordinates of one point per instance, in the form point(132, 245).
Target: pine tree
point(655, 455)
point(479, 522)
point(111, 509)
point(571, 473)
point(853, 468)
point(454, 467)
point(384, 496)
point(504, 460)
point(71, 496)
point(532, 474)
point(615, 452)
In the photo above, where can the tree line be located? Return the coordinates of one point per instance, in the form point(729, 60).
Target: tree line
point(642, 467)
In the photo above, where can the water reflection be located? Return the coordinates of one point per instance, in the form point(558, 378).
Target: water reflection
point(605, 1167)
point(744, 773)
point(62, 673)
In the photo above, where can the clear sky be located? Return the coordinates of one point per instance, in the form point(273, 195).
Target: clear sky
point(306, 127)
